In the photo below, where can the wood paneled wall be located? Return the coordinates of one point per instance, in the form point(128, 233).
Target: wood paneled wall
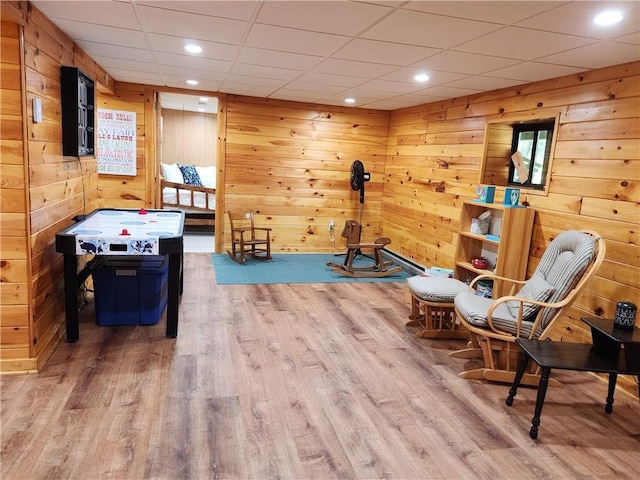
point(291, 162)
point(54, 188)
point(189, 138)
point(434, 161)
point(125, 191)
point(14, 248)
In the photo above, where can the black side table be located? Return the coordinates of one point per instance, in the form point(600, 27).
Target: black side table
point(614, 351)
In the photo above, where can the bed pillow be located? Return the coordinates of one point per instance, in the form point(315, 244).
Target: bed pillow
point(207, 176)
point(171, 173)
point(536, 288)
point(190, 175)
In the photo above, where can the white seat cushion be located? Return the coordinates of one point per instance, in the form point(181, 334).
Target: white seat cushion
point(436, 289)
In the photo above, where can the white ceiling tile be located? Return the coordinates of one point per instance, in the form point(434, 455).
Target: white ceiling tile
point(266, 72)
point(359, 95)
point(633, 38)
point(501, 12)
point(390, 104)
point(484, 83)
point(115, 14)
point(238, 10)
point(324, 44)
point(423, 98)
point(337, 80)
point(249, 90)
point(171, 44)
point(109, 63)
point(196, 63)
point(427, 30)
point(179, 81)
point(116, 51)
point(97, 33)
point(314, 87)
point(375, 51)
point(576, 18)
point(295, 95)
point(256, 81)
point(193, 26)
point(597, 55)
point(294, 41)
point(533, 71)
point(460, 62)
point(391, 87)
point(342, 18)
point(125, 75)
point(406, 74)
point(444, 91)
point(522, 43)
point(273, 58)
point(199, 75)
point(353, 68)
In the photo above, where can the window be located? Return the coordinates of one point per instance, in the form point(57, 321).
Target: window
point(533, 142)
point(533, 139)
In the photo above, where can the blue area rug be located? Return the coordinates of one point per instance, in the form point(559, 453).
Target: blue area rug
point(291, 268)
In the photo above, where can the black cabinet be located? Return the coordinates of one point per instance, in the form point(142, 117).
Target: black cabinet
point(78, 112)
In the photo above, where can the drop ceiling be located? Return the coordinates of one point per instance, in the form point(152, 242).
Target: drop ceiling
point(325, 51)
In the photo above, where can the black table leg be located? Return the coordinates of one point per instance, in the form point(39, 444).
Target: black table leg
point(175, 267)
point(522, 366)
point(71, 296)
point(613, 377)
point(542, 391)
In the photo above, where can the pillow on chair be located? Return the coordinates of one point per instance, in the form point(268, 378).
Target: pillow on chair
point(536, 288)
point(190, 175)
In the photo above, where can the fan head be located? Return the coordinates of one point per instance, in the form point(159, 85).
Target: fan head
point(358, 175)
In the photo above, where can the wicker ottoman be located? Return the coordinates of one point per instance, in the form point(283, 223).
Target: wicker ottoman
point(432, 306)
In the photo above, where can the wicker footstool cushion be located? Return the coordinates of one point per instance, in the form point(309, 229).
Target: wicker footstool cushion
point(432, 306)
point(436, 289)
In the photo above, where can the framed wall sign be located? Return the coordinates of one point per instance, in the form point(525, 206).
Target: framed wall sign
point(116, 152)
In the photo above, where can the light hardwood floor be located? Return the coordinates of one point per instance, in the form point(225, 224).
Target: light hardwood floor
point(316, 381)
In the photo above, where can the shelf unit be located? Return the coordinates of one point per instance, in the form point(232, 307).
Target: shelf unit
point(509, 254)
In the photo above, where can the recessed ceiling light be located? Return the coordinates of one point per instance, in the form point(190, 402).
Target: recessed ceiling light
point(204, 99)
point(192, 82)
point(193, 48)
point(610, 17)
point(201, 109)
point(421, 77)
point(349, 100)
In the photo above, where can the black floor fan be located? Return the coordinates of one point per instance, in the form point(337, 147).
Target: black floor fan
point(357, 180)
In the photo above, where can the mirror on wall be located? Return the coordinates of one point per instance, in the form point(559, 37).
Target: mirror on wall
point(518, 153)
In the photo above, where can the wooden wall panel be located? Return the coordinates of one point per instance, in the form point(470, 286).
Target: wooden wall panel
point(124, 191)
point(595, 180)
point(14, 250)
point(189, 138)
point(41, 189)
point(291, 162)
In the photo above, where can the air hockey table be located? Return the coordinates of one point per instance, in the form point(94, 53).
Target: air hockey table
point(112, 231)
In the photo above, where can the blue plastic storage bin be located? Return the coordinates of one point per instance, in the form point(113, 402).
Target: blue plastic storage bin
point(130, 290)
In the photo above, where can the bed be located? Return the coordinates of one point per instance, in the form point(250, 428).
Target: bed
point(191, 189)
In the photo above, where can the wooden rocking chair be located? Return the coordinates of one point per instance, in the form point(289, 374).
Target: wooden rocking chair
point(567, 266)
point(380, 268)
point(247, 239)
